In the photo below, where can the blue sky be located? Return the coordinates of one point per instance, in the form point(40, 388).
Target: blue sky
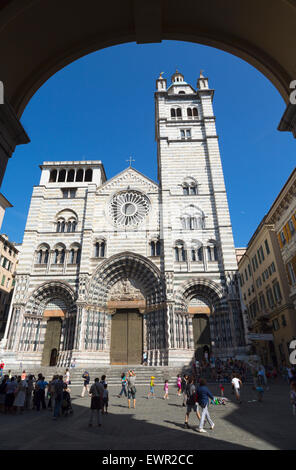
point(102, 107)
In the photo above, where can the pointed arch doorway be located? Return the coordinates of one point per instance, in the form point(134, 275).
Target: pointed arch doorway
point(126, 337)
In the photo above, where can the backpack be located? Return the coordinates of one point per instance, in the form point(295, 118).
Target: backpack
point(191, 394)
point(58, 390)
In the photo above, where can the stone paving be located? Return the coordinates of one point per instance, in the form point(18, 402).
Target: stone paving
point(157, 424)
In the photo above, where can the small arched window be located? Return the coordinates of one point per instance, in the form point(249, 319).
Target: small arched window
point(88, 175)
point(42, 255)
point(79, 175)
point(189, 113)
point(180, 252)
point(53, 176)
point(155, 248)
point(195, 113)
point(62, 176)
point(100, 249)
point(212, 252)
point(179, 113)
point(173, 113)
point(196, 252)
point(185, 189)
point(70, 176)
point(193, 189)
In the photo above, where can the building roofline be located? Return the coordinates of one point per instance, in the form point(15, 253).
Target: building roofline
point(5, 201)
point(273, 207)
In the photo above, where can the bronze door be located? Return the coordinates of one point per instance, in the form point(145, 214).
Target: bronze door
point(52, 340)
point(201, 334)
point(126, 337)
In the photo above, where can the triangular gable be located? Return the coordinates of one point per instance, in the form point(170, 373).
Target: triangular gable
point(129, 177)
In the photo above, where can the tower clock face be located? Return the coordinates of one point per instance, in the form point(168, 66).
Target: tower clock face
point(128, 208)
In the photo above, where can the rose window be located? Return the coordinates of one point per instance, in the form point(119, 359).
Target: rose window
point(128, 208)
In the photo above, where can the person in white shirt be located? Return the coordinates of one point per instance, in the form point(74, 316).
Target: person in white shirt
point(237, 384)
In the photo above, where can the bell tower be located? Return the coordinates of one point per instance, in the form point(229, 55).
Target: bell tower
point(195, 222)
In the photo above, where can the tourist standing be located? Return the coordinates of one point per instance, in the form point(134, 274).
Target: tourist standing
point(103, 380)
point(40, 387)
point(105, 399)
point(183, 388)
point(145, 358)
point(191, 401)
point(29, 392)
point(131, 390)
point(67, 379)
point(96, 405)
point(1, 367)
point(3, 391)
point(86, 381)
point(50, 392)
point(73, 363)
point(11, 387)
point(203, 395)
point(20, 394)
point(66, 402)
point(237, 384)
point(123, 385)
point(58, 396)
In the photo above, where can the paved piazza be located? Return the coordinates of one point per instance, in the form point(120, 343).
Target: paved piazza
point(157, 424)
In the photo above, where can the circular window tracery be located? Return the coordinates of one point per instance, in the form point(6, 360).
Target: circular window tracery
point(128, 208)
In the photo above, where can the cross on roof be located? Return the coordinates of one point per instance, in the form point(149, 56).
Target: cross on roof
point(130, 160)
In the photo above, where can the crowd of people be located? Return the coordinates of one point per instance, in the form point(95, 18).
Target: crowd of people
point(26, 392)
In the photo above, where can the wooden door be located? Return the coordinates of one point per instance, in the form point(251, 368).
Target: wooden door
point(126, 337)
point(201, 334)
point(52, 340)
point(135, 338)
point(118, 350)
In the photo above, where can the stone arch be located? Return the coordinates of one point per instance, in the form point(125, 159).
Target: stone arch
point(202, 287)
point(127, 265)
point(51, 290)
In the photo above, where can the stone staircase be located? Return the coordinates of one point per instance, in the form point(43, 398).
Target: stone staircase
point(113, 373)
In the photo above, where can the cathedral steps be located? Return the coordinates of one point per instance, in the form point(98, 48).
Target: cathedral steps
point(113, 374)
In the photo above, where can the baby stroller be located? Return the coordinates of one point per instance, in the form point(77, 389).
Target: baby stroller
point(66, 404)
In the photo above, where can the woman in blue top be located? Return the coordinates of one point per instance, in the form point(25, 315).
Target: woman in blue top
point(203, 395)
point(123, 385)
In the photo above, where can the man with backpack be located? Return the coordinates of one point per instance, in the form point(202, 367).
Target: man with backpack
point(191, 402)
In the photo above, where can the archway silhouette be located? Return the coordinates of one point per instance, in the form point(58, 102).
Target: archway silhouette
point(241, 28)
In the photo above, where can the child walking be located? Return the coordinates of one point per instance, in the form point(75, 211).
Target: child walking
point(179, 386)
point(105, 400)
point(166, 390)
point(221, 386)
point(151, 392)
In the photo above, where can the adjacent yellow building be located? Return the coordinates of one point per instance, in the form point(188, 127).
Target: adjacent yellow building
point(8, 262)
point(266, 295)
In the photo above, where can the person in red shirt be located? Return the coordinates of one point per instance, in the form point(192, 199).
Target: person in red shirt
point(1, 368)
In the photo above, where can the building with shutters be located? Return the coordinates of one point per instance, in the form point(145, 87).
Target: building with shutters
point(112, 268)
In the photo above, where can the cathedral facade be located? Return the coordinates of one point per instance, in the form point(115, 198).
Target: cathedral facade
point(110, 269)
